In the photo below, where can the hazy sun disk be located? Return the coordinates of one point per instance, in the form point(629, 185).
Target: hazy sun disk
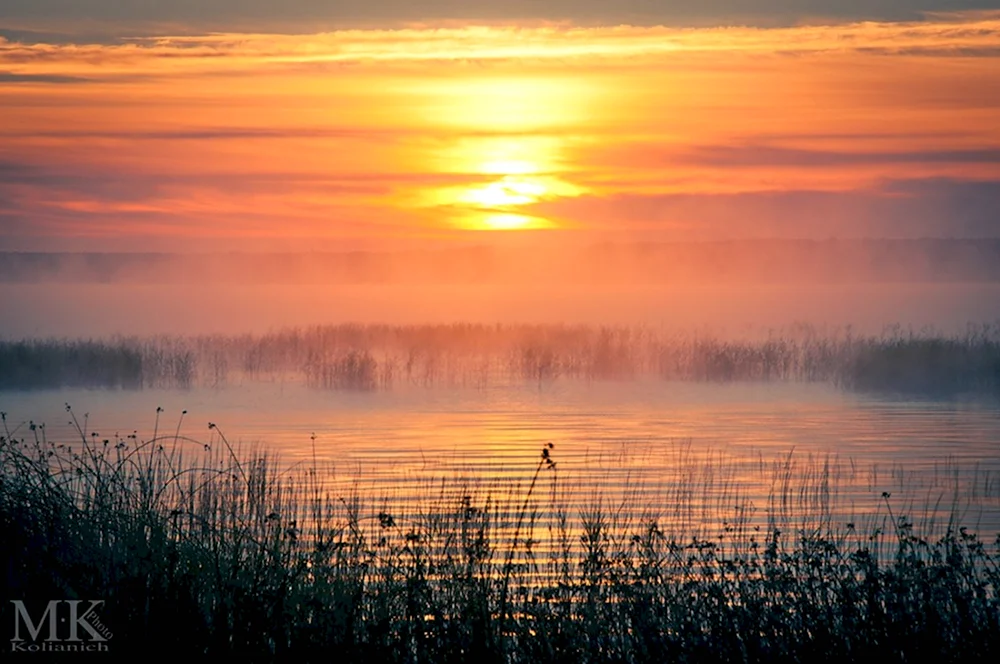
point(501, 204)
point(510, 190)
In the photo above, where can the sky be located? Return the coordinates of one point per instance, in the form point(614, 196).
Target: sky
point(254, 125)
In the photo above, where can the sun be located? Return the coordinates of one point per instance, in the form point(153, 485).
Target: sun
point(503, 204)
point(507, 179)
point(508, 222)
point(506, 203)
point(509, 190)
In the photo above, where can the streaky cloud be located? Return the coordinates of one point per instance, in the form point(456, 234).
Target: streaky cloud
point(7, 77)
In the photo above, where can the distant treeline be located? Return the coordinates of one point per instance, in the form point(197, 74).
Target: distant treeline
point(779, 261)
point(371, 357)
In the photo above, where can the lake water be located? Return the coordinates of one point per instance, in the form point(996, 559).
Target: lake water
point(688, 451)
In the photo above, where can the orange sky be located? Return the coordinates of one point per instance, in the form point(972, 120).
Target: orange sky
point(366, 137)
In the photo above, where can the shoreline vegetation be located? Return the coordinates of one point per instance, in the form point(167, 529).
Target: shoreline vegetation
point(382, 357)
point(202, 549)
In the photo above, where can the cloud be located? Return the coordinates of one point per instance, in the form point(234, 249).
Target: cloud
point(753, 156)
point(846, 153)
point(218, 133)
point(297, 15)
point(11, 77)
point(179, 53)
point(53, 201)
point(918, 208)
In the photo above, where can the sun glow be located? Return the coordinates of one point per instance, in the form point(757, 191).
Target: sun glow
point(510, 148)
point(509, 167)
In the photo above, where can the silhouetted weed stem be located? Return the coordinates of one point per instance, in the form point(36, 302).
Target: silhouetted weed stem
point(232, 454)
point(544, 462)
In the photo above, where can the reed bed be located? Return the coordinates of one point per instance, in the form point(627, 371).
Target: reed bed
point(381, 357)
point(39, 364)
point(200, 548)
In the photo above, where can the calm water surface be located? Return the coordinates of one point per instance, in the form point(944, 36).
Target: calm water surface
point(689, 451)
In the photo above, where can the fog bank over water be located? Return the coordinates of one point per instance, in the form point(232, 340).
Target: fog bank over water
point(546, 260)
point(738, 288)
point(98, 310)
